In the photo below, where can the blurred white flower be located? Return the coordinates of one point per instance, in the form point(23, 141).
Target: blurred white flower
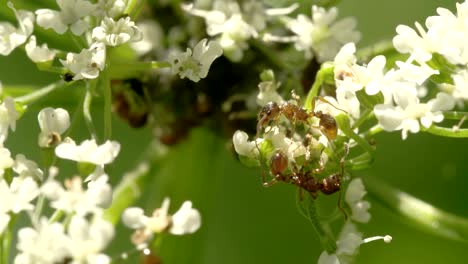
point(152, 37)
point(47, 243)
point(354, 197)
point(109, 8)
point(5, 160)
point(186, 220)
point(53, 123)
point(26, 168)
point(72, 14)
point(74, 199)
point(114, 33)
point(8, 117)
point(88, 238)
point(321, 35)
point(4, 220)
point(38, 53)
point(88, 63)
point(227, 21)
point(195, 66)
point(268, 93)
point(88, 151)
point(10, 36)
point(460, 89)
point(18, 196)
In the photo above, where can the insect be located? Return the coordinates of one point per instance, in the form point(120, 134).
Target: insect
point(295, 114)
point(306, 180)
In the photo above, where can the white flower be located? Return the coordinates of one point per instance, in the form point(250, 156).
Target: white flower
point(226, 19)
point(5, 160)
point(26, 168)
point(88, 151)
point(347, 246)
point(4, 220)
point(446, 34)
point(353, 197)
point(10, 36)
point(38, 53)
point(114, 33)
point(18, 196)
point(8, 117)
point(88, 63)
point(45, 244)
point(75, 199)
point(321, 34)
point(134, 217)
point(72, 14)
point(186, 220)
point(110, 8)
point(53, 123)
point(88, 239)
point(243, 146)
point(152, 37)
point(267, 93)
point(195, 66)
point(460, 89)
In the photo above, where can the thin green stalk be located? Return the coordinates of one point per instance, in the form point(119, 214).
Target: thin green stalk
point(373, 131)
point(308, 209)
point(133, 8)
point(56, 216)
point(447, 132)
point(455, 115)
point(87, 110)
point(423, 215)
point(133, 183)
point(366, 115)
point(38, 94)
point(314, 90)
point(107, 105)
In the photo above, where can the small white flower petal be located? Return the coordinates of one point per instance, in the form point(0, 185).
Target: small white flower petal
point(185, 221)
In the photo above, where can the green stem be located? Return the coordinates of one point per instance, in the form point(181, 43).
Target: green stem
point(87, 109)
point(421, 214)
point(373, 131)
point(133, 8)
point(56, 216)
point(38, 94)
point(360, 162)
point(314, 90)
point(447, 132)
point(107, 105)
point(366, 115)
point(308, 209)
point(6, 243)
point(133, 183)
point(344, 125)
point(454, 115)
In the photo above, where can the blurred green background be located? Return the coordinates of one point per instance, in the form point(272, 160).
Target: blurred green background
point(246, 223)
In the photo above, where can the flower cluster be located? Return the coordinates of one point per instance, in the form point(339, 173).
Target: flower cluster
point(185, 221)
point(234, 25)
